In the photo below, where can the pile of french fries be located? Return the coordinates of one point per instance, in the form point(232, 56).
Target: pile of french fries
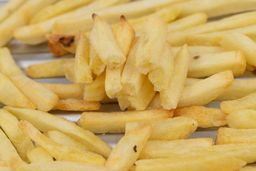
point(161, 61)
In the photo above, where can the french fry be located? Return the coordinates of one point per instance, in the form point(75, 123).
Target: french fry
point(151, 44)
point(207, 90)
point(38, 155)
point(159, 149)
point(82, 70)
point(45, 122)
point(124, 35)
point(96, 90)
point(10, 90)
point(240, 42)
point(96, 64)
point(162, 74)
point(246, 102)
point(131, 144)
point(209, 64)
point(205, 117)
point(61, 165)
point(235, 136)
point(20, 18)
point(242, 119)
point(187, 22)
point(103, 41)
point(53, 68)
point(58, 151)
point(66, 91)
point(56, 9)
point(114, 122)
point(66, 140)
point(43, 98)
point(168, 129)
point(170, 97)
point(76, 105)
point(9, 8)
point(21, 142)
point(211, 163)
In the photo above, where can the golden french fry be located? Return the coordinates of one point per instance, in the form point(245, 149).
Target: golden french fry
point(10, 7)
point(187, 22)
point(20, 18)
point(43, 98)
point(95, 91)
point(205, 117)
point(168, 129)
point(96, 64)
point(53, 68)
point(170, 97)
point(131, 144)
point(21, 142)
point(211, 163)
point(159, 149)
point(103, 41)
point(236, 41)
point(66, 140)
point(38, 155)
point(114, 122)
point(242, 119)
point(209, 64)
point(66, 91)
point(246, 102)
point(82, 70)
point(45, 122)
point(58, 151)
point(207, 90)
point(56, 9)
point(76, 105)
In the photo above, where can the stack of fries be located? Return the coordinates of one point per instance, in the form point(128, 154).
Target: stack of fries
point(161, 61)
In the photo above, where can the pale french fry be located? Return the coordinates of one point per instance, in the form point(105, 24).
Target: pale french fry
point(205, 117)
point(187, 22)
point(43, 98)
point(76, 105)
point(114, 122)
point(112, 14)
point(21, 142)
point(10, 90)
point(170, 97)
point(240, 42)
point(20, 18)
point(56, 9)
point(162, 74)
point(96, 90)
point(238, 89)
point(235, 136)
point(61, 165)
point(242, 119)
point(38, 155)
point(53, 68)
point(66, 140)
point(96, 64)
point(168, 129)
point(209, 64)
point(131, 144)
point(58, 151)
point(66, 91)
point(45, 122)
point(159, 149)
point(207, 90)
point(248, 168)
point(246, 102)
point(218, 162)
point(103, 41)
point(82, 70)
point(124, 35)
point(151, 44)
point(10, 7)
